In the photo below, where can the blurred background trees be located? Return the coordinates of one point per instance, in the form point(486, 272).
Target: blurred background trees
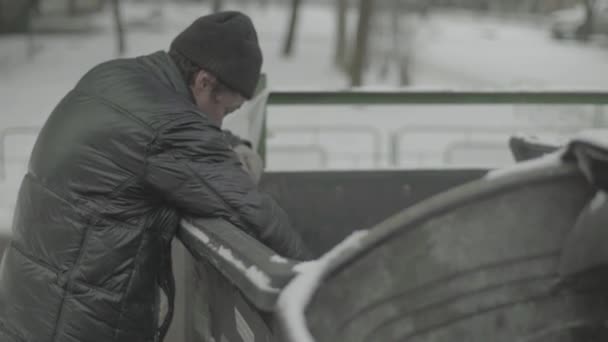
point(384, 27)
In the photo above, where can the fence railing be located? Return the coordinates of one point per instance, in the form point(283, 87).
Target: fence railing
point(598, 98)
point(594, 97)
point(435, 97)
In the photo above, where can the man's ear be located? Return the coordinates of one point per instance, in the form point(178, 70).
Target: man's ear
point(203, 80)
point(198, 81)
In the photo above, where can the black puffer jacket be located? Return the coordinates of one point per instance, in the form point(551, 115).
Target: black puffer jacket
point(121, 158)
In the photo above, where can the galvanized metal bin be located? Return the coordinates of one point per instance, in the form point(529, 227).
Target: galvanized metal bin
point(517, 256)
point(326, 207)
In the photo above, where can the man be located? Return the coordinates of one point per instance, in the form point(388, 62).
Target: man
point(132, 148)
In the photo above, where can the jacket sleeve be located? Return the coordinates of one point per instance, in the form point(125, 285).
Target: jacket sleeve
point(235, 140)
point(192, 166)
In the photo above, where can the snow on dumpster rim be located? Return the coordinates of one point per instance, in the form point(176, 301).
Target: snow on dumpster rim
point(545, 139)
point(297, 294)
point(548, 160)
point(278, 259)
point(260, 279)
point(595, 137)
point(196, 232)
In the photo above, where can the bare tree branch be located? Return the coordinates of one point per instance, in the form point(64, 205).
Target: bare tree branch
point(72, 7)
point(586, 29)
point(340, 52)
point(217, 5)
point(365, 15)
point(291, 32)
point(119, 27)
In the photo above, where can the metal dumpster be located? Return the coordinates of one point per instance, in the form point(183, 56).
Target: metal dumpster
point(516, 256)
point(223, 303)
point(484, 260)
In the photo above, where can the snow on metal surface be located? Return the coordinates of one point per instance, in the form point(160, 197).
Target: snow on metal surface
point(196, 232)
point(552, 159)
point(260, 279)
point(545, 139)
point(595, 137)
point(304, 266)
point(296, 296)
point(278, 259)
point(598, 201)
point(226, 253)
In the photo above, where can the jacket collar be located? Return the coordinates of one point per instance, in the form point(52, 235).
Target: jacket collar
point(165, 69)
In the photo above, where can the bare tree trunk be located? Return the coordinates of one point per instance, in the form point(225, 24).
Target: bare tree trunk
point(100, 5)
point(72, 7)
point(360, 54)
point(217, 5)
point(119, 27)
point(34, 7)
point(396, 28)
point(402, 42)
point(340, 53)
point(14, 16)
point(586, 29)
point(31, 44)
point(2, 15)
point(291, 32)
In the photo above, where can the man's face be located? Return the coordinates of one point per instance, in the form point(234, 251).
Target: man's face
point(213, 98)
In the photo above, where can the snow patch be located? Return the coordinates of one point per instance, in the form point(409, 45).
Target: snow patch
point(545, 139)
point(595, 137)
point(260, 279)
point(278, 259)
point(196, 232)
point(598, 201)
point(228, 256)
point(304, 266)
point(296, 296)
point(552, 159)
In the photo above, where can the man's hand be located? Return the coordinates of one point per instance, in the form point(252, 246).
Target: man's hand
point(252, 163)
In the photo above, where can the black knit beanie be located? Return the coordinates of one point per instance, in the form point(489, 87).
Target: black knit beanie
point(226, 45)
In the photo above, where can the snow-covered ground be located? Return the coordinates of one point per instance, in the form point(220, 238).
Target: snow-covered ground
point(450, 51)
